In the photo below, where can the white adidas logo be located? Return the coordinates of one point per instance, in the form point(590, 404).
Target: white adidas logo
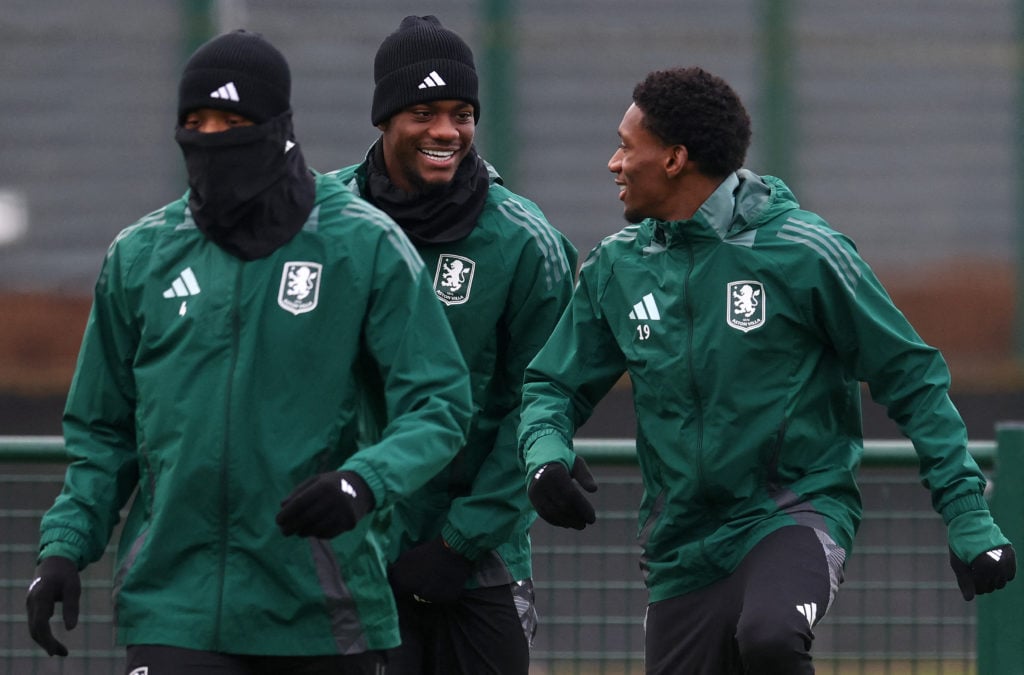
point(810, 612)
point(226, 91)
point(184, 286)
point(347, 488)
point(996, 554)
point(646, 310)
point(432, 80)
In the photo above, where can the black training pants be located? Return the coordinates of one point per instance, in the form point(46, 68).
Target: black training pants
point(757, 621)
point(484, 633)
point(163, 660)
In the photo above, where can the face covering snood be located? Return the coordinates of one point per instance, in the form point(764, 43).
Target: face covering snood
point(250, 188)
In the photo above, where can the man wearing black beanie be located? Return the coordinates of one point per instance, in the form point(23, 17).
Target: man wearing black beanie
point(460, 548)
point(233, 335)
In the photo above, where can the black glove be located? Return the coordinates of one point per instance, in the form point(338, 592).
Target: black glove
point(56, 580)
point(430, 572)
point(986, 573)
point(557, 500)
point(325, 505)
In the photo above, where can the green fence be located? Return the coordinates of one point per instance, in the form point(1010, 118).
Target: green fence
point(898, 612)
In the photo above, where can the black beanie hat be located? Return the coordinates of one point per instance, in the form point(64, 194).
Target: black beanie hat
point(240, 72)
point(422, 61)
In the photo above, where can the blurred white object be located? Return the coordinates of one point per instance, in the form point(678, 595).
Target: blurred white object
point(13, 216)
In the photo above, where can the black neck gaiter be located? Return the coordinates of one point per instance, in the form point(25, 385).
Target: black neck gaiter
point(435, 217)
point(250, 188)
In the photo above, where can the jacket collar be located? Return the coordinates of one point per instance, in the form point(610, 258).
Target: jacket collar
point(737, 204)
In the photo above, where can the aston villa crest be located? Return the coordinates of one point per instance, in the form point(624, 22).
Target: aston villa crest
point(300, 287)
point(453, 279)
point(745, 305)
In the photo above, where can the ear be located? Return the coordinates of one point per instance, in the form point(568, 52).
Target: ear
point(383, 126)
point(675, 160)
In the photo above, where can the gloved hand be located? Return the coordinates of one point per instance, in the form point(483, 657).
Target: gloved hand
point(56, 580)
point(325, 505)
point(981, 556)
point(557, 500)
point(986, 573)
point(431, 572)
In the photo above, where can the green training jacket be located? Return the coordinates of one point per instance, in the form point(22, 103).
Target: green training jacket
point(212, 386)
point(745, 332)
point(503, 288)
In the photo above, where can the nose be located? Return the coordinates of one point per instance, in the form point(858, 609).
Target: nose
point(444, 128)
point(615, 163)
point(212, 125)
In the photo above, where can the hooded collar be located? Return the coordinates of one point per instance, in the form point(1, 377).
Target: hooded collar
point(741, 202)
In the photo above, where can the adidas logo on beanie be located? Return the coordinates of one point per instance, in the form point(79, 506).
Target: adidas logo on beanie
point(422, 61)
point(239, 72)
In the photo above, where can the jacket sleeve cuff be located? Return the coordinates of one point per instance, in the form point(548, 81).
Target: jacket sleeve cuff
point(66, 543)
point(545, 447)
point(961, 505)
point(460, 544)
point(373, 482)
point(972, 533)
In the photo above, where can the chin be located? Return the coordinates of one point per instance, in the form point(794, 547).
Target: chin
point(633, 216)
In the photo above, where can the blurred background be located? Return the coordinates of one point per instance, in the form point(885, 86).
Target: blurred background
point(900, 123)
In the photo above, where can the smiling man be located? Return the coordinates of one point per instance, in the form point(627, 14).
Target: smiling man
point(748, 409)
point(460, 547)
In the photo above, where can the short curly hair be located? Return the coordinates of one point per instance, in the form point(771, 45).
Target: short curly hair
point(693, 108)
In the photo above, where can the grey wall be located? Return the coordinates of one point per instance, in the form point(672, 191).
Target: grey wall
point(904, 112)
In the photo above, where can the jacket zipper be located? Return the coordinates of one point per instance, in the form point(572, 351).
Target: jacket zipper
point(772, 472)
point(694, 388)
point(225, 453)
point(698, 455)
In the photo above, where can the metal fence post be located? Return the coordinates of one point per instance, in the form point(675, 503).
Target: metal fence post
point(1000, 636)
point(777, 95)
point(498, 84)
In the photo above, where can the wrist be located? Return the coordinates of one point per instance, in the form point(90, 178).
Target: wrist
point(454, 542)
point(972, 533)
point(545, 449)
point(961, 505)
point(363, 496)
point(58, 549)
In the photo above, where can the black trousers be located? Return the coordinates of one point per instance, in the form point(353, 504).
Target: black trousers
point(163, 660)
point(485, 633)
point(757, 621)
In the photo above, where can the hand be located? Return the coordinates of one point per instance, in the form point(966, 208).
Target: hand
point(325, 505)
point(560, 502)
point(56, 580)
point(988, 572)
point(431, 572)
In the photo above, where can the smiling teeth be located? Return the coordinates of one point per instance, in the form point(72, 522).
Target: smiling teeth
point(438, 154)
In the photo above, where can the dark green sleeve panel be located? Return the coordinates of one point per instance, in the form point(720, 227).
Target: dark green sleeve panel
point(575, 369)
point(99, 426)
point(906, 375)
point(541, 287)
